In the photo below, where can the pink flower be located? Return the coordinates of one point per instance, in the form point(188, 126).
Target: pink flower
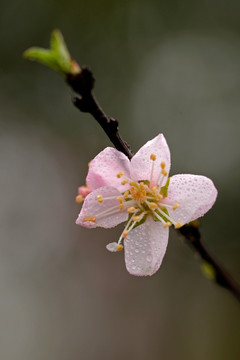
point(139, 192)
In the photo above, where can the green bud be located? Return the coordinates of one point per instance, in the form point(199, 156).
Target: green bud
point(208, 270)
point(56, 58)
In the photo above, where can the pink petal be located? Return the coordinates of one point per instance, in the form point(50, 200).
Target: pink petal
point(194, 193)
point(104, 168)
point(91, 207)
point(145, 247)
point(141, 164)
point(84, 191)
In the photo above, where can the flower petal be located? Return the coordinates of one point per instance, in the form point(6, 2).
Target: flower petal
point(92, 209)
point(194, 193)
point(104, 168)
point(141, 164)
point(145, 247)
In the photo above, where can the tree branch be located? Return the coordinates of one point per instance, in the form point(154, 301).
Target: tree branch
point(83, 84)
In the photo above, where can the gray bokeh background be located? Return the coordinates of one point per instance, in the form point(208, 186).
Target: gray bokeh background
point(170, 67)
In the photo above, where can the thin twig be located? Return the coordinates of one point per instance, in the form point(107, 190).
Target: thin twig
point(83, 84)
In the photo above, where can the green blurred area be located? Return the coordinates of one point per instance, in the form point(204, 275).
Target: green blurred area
point(170, 67)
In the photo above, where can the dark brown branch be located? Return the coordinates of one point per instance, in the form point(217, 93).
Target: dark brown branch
point(192, 236)
point(83, 84)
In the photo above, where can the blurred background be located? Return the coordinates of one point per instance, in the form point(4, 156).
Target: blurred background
point(170, 67)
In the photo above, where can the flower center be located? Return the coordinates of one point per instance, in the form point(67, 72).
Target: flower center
point(142, 199)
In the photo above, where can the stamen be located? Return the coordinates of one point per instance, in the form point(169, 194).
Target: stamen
point(153, 158)
point(125, 234)
point(153, 205)
point(166, 216)
point(125, 195)
point(164, 172)
point(124, 182)
point(131, 209)
point(127, 225)
point(163, 164)
point(154, 190)
point(90, 218)
point(136, 218)
point(100, 198)
point(175, 206)
point(79, 199)
point(178, 225)
point(121, 207)
point(159, 196)
point(114, 247)
point(109, 211)
point(167, 224)
point(120, 199)
point(120, 174)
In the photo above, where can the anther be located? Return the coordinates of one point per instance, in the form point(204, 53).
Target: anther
point(120, 174)
point(175, 206)
point(159, 196)
point(178, 225)
point(153, 157)
point(124, 182)
point(119, 247)
point(131, 209)
point(90, 218)
point(136, 218)
point(164, 172)
point(79, 199)
point(153, 205)
point(154, 190)
point(120, 199)
point(163, 164)
point(167, 224)
point(100, 198)
point(125, 234)
point(125, 195)
point(121, 207)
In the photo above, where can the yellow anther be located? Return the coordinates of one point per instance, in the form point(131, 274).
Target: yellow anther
point(175, 206)
point(131, 209)
point(153, 157)
point(154, 190)
point(100, 198)
point(125, 234)
point(120, 174)
point(120, 199)
point(90, 218)
point(136, 218)
point(124, 182)
point(153, 205)
point(121, 207)
point(79, 199)
point(167, 224)
point(133, 183)
point(125, 195)
point(159, 197)
point(164, 172)
point(178, 225)
point(119, 247)
point(163, 164)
